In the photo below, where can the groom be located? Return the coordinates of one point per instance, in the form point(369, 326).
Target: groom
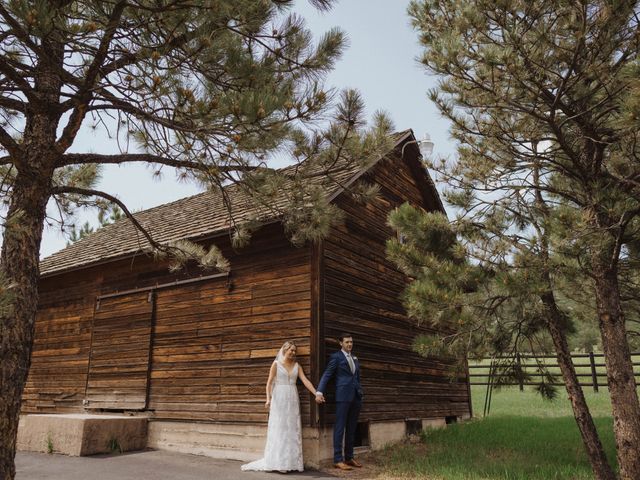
point(346, 370)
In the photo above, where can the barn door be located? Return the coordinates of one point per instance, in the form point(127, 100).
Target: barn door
point(119, 361)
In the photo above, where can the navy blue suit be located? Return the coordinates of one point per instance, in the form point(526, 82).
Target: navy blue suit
point(348, 402)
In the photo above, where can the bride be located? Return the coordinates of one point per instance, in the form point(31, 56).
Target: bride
point(283, 451)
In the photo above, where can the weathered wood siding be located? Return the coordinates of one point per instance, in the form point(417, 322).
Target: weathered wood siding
point(60, 357)
point(119, 354)
point(213, 346)
point(209, 343)
point(361, 296)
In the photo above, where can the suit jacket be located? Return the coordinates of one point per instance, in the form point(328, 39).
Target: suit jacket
point(348, 385)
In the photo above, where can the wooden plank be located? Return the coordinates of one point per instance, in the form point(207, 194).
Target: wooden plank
point(59, 357)
point(317, 326)
point(118, 368)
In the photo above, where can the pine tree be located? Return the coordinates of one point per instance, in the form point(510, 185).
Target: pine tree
point(213, 89)
point(543, 97)
point(491, 291)
point(114, 213)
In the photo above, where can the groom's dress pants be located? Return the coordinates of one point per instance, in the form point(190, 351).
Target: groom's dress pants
point(345, 427)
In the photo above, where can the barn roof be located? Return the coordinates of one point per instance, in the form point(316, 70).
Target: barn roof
point(195, 217)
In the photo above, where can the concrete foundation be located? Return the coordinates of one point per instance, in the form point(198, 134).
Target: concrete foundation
point(246, 443)
point(81, 434)
point(234, 442)
point(384, 433)
point(434, 423)
point(85, 434)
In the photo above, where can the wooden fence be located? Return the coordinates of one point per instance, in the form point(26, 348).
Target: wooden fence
point(590, 370)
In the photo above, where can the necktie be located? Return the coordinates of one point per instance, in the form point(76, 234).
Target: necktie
point(351, 364)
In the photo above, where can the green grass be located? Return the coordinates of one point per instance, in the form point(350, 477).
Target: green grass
point(510, 401)
point(524, 438)
point(500, 447)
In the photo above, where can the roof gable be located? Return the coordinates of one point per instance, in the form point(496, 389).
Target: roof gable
point(194, 218)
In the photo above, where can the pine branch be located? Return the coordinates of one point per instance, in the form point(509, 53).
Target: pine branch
point(83, 97)
point(86, 158)
point(13, 104)
point(20, 33)
point(86, 192)
point(14, 149)
point(9, 71)
point(135, 57)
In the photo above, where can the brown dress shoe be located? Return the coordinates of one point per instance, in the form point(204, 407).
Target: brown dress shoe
point(353, 462)
point(342, 466)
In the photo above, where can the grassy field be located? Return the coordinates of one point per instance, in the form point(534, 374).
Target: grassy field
point(524, 438)
point(510, 401)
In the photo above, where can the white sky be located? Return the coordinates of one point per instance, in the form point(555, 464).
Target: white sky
point(380, 62)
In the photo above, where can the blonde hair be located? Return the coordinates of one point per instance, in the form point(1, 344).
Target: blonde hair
point(287, 346)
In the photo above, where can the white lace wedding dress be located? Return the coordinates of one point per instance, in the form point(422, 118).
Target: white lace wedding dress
point(283, 450)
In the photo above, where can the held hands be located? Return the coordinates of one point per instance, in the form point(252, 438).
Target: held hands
point(320, 398)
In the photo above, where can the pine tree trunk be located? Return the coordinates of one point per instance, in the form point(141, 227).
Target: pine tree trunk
point(20, 256)
point(557, 329)
point(620, 377)
point(21, 251)
point(599, 463)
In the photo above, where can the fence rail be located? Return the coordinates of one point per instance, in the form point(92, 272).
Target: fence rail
point(590, 370)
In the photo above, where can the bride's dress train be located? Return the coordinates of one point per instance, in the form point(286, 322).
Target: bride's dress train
point(283, 450)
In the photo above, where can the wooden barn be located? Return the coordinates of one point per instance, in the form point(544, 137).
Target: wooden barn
point(118, 334)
